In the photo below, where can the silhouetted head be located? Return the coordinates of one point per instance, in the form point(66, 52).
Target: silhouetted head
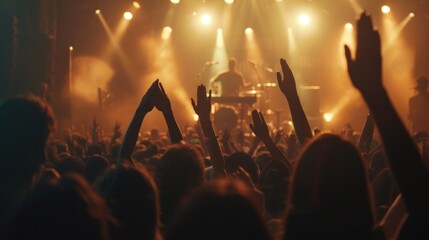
point(94, 149)
point(64, 209)
point(329, 193)
point(178, 173)
point(133, 198)
point(70, 164)
point(95, 166)
point(223, 209)
point(274, 183)
point(25, 126)
point(232, 62)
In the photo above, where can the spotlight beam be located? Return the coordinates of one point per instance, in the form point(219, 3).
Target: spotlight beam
point(115, 45)
point(396, 31)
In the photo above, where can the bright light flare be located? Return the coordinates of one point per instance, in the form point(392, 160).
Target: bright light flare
point(136, 5)
point(385, 9)
point(328, 117)
point(166, 32)
point(128, 16)
point(98, 11)
point(412, 15)
point(304, 19)
point(206, 19)
point(175, 1)
point(229, 1)
point(348, 26)
point(248, 30)
point(71, 48)
point(196, 117)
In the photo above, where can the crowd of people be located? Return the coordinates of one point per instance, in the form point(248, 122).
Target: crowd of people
point(198, 185)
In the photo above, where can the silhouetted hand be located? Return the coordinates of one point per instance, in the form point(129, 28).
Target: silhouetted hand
point(259, 126)
point(162, 102)
point(287, 82)
point(94, 130)
point(148, 100)
point(365, 69)
point(204, 103)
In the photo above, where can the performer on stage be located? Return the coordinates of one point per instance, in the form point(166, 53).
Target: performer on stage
point(231, 81)
point(419, 107)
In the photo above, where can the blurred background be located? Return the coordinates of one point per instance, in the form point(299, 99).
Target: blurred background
point(97, 58)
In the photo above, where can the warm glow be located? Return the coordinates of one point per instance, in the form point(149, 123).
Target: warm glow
point(348, 26)
point(128, 16)
point(196, 117)
point(175, 1)
point(412, 15)
point(385, 9)
point(71, 48)
point(304, 20)
point(136, 4)
point(97, 11)
point(166, 32)
point(328, 117)
point(206, 19)
point(248, 30)
point(229, 1)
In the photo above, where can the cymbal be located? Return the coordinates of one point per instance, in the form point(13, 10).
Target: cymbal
point(266, 85)
point(251, 92)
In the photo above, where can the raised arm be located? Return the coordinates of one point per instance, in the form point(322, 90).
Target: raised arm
point(288, 87)
point(260, 128)
point(163, 104)
point(407, 166)
point(131, 135)
point(202, 108)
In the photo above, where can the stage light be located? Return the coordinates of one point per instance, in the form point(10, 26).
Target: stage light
point(348, 26)
point(304, 19)
point(97, 11)
point(412, 15)
point(229, 1)
point(175, 1)
point(136, 5)
point(206, 19)
point(328, 117)
point(385, 9)
point(248, 30)
point(71, 48)
point(166, 32)
point(128, 16)
point(196, 117)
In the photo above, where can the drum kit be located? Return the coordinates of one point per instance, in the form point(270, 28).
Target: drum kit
point(232, 111)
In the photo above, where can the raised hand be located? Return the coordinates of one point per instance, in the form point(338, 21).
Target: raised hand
point(94, 130)
point(259, 126)
point(365, 70)
point(203, 108)
point(130, 138)
point(162, 102)
point(148, 100)
point(204, 103)
point(288, 87)
point(287, 82)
